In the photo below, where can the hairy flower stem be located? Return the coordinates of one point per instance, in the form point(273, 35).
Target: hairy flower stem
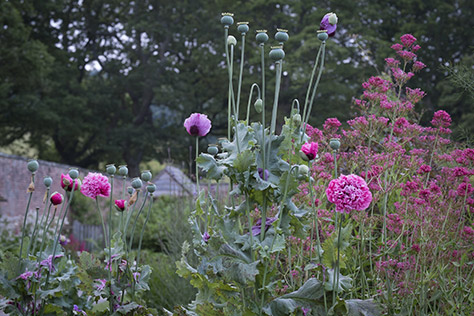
point(310, 106)
point(33, 235)
point(109, 270)
point(250, 99)
point(262, 60)
point(43, 221)
point(143, 229)
point(104, 230)
point(197, 167)
point(336, 270)
point(249, 219)
point(315, 219)
point(239, 89)
point(136, 219)
point(23, 230)
point(310, 85)
point(48, 225)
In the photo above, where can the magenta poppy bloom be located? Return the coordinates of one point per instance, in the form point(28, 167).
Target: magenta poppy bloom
point(310, 150)
point(56, 198)
point(349, 193)
point(197, 124)
point(329, 23)
point(120, 205)
point(66, 183)
point(95, 184)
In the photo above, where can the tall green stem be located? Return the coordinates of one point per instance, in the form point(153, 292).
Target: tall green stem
point(104, 230)
point(336, 270)
point(239, 89)
point(250, 99)
point(310, 106)
point(197, 168)
point(23, 232)
point(143, 228)
point(109, 270)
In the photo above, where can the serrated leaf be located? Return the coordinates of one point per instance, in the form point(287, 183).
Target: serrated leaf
point(244, 160)
point(209, 164)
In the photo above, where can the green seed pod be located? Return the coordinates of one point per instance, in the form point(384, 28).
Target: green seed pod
point(48, 181)
point(227, 19)
point(322, 35)
point(73, 173)
point(296, 119)
point(130, 190)
point(242, 27)
point(123, 171)
point(111, 169)
point(212, 149)
point(258, 105)
point(261, 36)
point(282, 36)
point(137, 183)
point(231, 40)
point(151, 187)
point(33, 165)
point(146, 175)
point(335, 143)
point(277, 53)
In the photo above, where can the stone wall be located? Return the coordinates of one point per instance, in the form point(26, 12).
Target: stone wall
point(15, 178)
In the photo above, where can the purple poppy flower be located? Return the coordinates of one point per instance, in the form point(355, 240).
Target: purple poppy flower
point(49, 262)
point(197, 124)
point(329, 23)
point(77, 311)
point(262, 176)
point(206, 237)
point(258, 227)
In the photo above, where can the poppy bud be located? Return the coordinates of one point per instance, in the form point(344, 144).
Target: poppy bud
point(48, 181)
point(120, 205)
point(231, 40)
point(258, 105)
point(56, 198)
point(123, 171)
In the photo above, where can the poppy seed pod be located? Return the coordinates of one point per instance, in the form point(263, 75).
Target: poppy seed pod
point(261, 36)
point(130, 190)
point(137, 183)
point(277, 53)
point(282, 35)
point(242, 27)
point(33, 166)
point(227, 19)
point(335, 143)
point(111, 169)
point(74, 173)
point(123, 171)
point(146, 175)
point(151, 187)
point(48, 181)
point(322, 35)
point(212, 149)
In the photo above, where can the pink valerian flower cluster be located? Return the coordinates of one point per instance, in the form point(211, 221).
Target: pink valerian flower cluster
point(94, 185)
point(349, 193)
point(414, 95)
point(441, 119)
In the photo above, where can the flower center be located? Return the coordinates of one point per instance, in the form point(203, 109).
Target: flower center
point(194, 130)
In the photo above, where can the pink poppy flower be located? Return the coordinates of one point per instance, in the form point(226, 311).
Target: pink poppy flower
point(197, 124)
point(95, 184)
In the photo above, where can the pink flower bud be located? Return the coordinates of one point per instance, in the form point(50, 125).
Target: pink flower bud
point(56, 198)
point(310, 150)
point(120, 205)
